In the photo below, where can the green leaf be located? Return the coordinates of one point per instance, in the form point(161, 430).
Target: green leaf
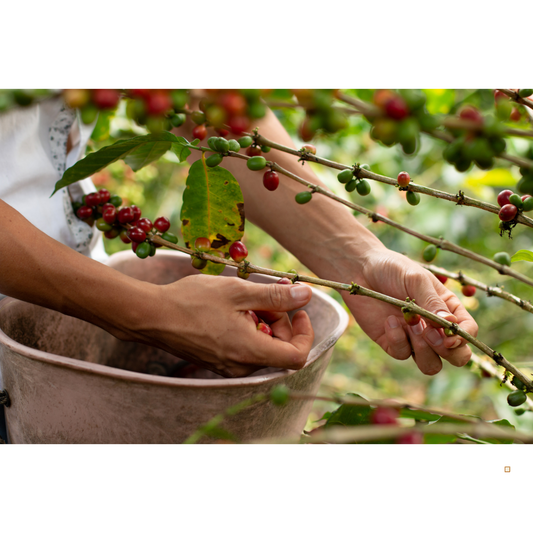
point(418, 415)
point(505, 424)
point(96, 161)
point(213, 207)
point(439, 100)
point(350, 415)
point(101, 129)
point(439, 439)
point(522, 255)
point(147, 153)
point(180, 148)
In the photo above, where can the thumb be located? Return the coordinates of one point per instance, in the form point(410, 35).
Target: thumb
point(273, 297)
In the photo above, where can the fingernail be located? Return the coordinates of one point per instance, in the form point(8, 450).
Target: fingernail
point(434, 338)
point(418, 328)
point(393, 322)
point(300, 293)
point(443, 314)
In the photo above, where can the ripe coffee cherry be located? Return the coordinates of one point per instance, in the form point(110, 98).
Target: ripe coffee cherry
point(234, 146)
point(238, 124)
point(102, 225)
point(125, 215)
point(162, 224)
point(238, 251)
point(105, 98)
point(345, 176)
point(202, 244)
point(214, 160)
point(430, 253)
point(137, 235)
point(271, 180)
point(105, 196)
point(199, 132)
point(307, 130)
point(303, 197)
point(170, 237)
point(411, 438)
point(515, 200)
point(233, 103)
point(245, 141)
point(256, 163)
point(198, 263)
point(527, 203)
point(109, 214)
point(136, 212)
point(515, 114)
point(516, 398)
point(471, 113)
point(115, 200)
point(124, 236)
point(412, 197)
point(265, 328)
point(384, 415)
point(411, 318)
point(468, 290)
point(158, 102)
point(145, 224)
point(508, 212)
point(442, 279)
point(396, 108)
point(254, 317)
point(253, 151)
point(84, 212)
point(92, 199)
point(284, 281)
point(222, 132)
point(503, 197)
point(404, 179)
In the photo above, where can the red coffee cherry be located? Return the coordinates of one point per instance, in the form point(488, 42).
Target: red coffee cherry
point(158, 102)
point(411, 318)
point(396, 108)
point(411, 438)
point(468, 290)
point(508, 212)
point(84, 212)
point(145, 224)
point(284, 281)
point(515, 114)
point(238, 251)
point(137, 235)
point(265, 328)
point(233, 103)
point(162, 224)
point(238, 124)
point(254, 316)
point(105, 98)
point(471, 113)
point(271, 180)
point(404, 179)
point(136, 212)
point(105, 196)
point(384, 415)
point(202, 244)
point(109, 214)
point(125, 215)
point(503, 197)
point(311, 148)
point(222, 132)
point(442, 279)
point(253, 151)
point(124, 237)
point(199, 132)
point(92, 199)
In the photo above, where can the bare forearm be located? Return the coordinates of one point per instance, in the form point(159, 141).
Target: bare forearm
point(37, 269)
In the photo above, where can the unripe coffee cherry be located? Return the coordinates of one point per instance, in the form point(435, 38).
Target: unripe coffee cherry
point(519, 411)
point(311, 148)
point(125, 215)
point(221, 145)
point(102, 225)
point(351, 185)
point(198, 117)
point(253, 151)
point(384, 416)
point(503, 258)
point(468, 290)
point(303, 197)
point(412, 197)
point(178, 120)
point(124, 236)
point(112, 233)
point(243, 274)
point(214, 160)
point(508, 212)
point(515, 200)
point(199, 132)
point(265, 328)
point(527, 203)
point(524, 93)
point(265, 149)
point(279, 395)
point(429, 253)
point(404, 179)
point(516, 398)
point(363, 187)
point(211, 143)
point(518, 383)
point(345, 176)
point(411, 318)
point(245, 141)
point(198, 263)
point(170, 237)
point(238, 251)
point(143, 250)
point(234, 146)
point(115, 200)
point(271, 180)
point(284, 281)
point(256, 163)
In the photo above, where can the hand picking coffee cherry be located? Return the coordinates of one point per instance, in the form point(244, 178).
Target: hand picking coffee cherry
point(265, 328)
point(271, 180)
point(162, 224)
point(238, 251)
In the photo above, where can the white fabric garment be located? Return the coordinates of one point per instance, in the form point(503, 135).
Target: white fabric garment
point(33, 144)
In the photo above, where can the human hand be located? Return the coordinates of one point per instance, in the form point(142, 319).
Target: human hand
point(395, 275)
point(204, 319)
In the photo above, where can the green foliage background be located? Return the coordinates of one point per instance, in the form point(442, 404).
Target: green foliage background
point(358, 365)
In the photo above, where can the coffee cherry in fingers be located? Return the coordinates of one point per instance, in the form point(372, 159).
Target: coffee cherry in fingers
point(265, 328)
point(411, 318)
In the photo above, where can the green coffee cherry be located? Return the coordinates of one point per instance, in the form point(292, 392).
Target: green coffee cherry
point(524, 93)
point(527, 204)
point(256, 163)
point(516, 200)
point(364, 166)
point(516, 398)
point(214, 160)
point(363, 187)
point(429, 253)
point(177, 120)
point(211, 143)
point(345, 176)
point(265, 149)
point(520, 411)
point(503, 258)
point(412, 197)
point(115, 200)
point(170, 237)
point(243, 274)
point(279, 395)
point(88, 114)
point(245, 141)
point(234, 146)
point(518, 383)
point(102, 225)
point(152, 250)
point(221, 145)
point(303, 197)
point(143, 250)
point(351, 186)
point(198, 263)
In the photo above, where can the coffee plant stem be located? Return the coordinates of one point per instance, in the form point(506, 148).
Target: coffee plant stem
point(517, 98)
point(375, 217)
point(460, 198)
point(355, 289)
point(491, 291)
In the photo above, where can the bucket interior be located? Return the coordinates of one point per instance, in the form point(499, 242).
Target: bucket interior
point(52, 332)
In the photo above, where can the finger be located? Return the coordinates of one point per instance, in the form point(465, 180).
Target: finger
point(272, 297)
point(425, 357)
point(281, 326)
point(399, 346)
point(458, 356)
point(270, 351)
point(464, 318)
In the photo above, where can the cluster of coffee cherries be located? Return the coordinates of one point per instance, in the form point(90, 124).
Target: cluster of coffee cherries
point(389, 416)
point(91, 101)
point(506, 109)
point(511, 204)
point(229, 106)
point(320, 112)
point(479, 145)
point(403, 116)
point(412, 197)
point(352, 182)
point(104, 211)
